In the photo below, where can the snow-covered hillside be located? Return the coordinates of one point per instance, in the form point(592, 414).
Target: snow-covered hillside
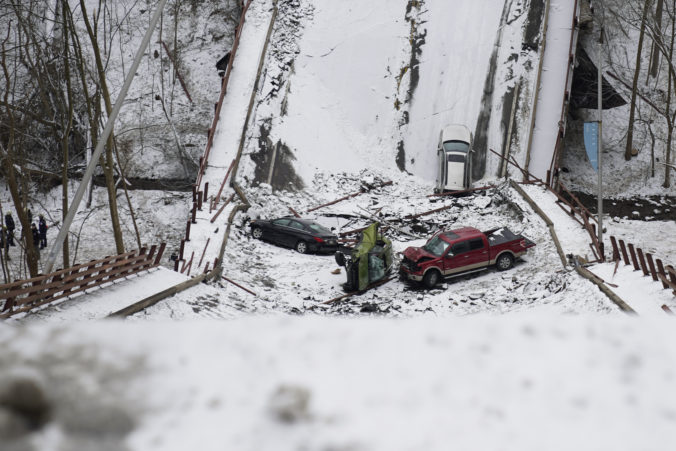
point(370, 85)
point(161, 130)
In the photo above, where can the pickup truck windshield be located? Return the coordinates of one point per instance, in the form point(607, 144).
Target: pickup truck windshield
point(436, 246)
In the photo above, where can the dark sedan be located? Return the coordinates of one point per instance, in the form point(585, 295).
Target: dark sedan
point(304, 235)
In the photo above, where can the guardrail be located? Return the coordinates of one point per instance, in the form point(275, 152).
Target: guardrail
point(573, 206)
point(224, 89)
point(643, 261)
point(25, 295)
point(199, 194)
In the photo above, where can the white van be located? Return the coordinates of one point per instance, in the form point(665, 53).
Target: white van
point(454, 158)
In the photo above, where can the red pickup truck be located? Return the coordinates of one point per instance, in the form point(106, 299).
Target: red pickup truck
point(462, 251)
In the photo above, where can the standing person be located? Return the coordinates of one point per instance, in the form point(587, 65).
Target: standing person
point(4, 244)
point(42, 230)
point(9, 223)
point(36, 235)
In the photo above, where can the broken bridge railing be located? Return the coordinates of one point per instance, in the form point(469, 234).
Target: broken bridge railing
point(570, 205)
point(25, 295)
point(200, 192)
point(644, 261)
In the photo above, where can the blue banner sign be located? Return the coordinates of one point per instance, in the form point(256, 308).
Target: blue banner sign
point(591, 142)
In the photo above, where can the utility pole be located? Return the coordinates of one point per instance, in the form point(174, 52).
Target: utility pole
point(599, 94)
point(58, 242)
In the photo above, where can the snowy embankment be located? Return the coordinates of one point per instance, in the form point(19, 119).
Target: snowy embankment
point(530, 383)
point(641, 293)
point(369, 85)
point(454, 65)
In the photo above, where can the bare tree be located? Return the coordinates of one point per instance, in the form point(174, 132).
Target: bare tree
point(654, 54)
point(107, 162)
point(637, 71)
point(638, 15)
point(7, 146)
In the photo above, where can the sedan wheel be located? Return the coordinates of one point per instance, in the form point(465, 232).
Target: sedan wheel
point(301, 247)
point(257, 233)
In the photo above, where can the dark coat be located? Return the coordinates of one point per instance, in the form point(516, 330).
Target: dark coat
point(9, 221)
point(36, 234)
point(222, 63)
point(42, 227)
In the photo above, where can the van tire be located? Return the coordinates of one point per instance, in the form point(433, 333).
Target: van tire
point(431, 278)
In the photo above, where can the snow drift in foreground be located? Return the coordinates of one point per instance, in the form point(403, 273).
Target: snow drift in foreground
point(531, 383)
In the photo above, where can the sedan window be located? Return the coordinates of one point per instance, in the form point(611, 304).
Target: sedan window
point(318, 228)
point(281, 222)
point(296, 225)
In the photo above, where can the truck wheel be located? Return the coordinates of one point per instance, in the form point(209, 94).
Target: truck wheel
point(431, 278)
point(504, 262)
point(257, 233)
point(301, 247)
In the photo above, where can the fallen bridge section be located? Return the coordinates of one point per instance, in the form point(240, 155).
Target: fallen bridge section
point(553, 87)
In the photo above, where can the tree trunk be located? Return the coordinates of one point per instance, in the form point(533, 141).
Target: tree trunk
point(108, 162)
point(66, 132)
point(93, 113)
point(670, 118)
point(655, 61)
point(634, 87)
point(10, 173)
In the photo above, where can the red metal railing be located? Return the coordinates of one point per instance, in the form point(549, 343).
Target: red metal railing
point(25, 295)
point(644, 262)
point(200, 195)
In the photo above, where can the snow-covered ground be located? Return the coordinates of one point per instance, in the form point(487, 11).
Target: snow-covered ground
point(160, 217)
point(533, 358)
point(522, 382)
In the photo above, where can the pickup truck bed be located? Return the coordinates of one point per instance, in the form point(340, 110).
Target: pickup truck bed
point(503, 235)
